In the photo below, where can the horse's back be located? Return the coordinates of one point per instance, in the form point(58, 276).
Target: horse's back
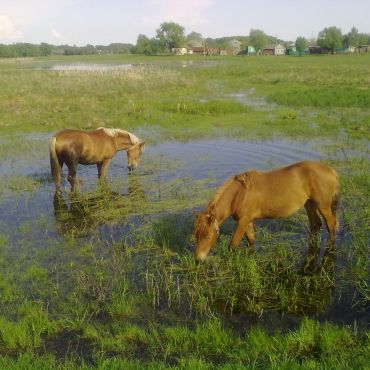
point(315, 166)
point(281, 192)
point(71, 133)
point(71, 144)
point(314, 170)
point(321, 180)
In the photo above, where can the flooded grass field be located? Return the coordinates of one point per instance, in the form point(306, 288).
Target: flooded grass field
point(106, 278)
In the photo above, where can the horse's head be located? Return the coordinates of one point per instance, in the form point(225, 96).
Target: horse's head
point(124, 140)
point(206, 233)
point(134, 155)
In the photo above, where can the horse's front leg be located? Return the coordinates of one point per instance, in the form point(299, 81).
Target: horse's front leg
point(244, 226)
point(102, 169)
point(250, 233)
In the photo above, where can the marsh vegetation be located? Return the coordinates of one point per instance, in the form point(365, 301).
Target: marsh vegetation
point(106, 278)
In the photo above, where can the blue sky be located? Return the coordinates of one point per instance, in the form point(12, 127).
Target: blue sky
point(82, 22)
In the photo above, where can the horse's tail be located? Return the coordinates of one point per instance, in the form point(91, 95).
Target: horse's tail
point(335, 201)
point(54, 162)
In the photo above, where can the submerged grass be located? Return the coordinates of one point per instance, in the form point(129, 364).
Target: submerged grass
point(106, 279)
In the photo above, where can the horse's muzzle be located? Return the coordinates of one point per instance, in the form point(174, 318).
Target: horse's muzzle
point(199, 258)
point(131, 167)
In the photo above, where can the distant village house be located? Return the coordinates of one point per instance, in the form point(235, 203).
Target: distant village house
point(274, 50)
point(204, 50)
point(181, 51)
point(315, 49)
point(250, 50)
point(364, 49)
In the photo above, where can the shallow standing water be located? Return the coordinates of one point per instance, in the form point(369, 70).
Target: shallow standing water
point(166, 169)
point(211, 160)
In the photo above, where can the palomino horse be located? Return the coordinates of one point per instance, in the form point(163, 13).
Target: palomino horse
point(279, 193)
point(91, 147)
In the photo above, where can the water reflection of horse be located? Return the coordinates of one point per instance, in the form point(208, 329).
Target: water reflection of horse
point(91, 147)
point(79, 213)
point(279, 193)
point(320, 278)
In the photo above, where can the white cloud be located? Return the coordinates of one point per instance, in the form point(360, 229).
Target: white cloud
point(186, 12)
point(57, 35)
point(8, 30)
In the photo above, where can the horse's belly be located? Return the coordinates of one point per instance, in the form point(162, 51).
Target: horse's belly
point(87, 162)
point(281, 210)
point(89, 158)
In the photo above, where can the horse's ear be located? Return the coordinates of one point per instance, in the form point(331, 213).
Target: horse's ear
point(142, 144)
point(211, 218)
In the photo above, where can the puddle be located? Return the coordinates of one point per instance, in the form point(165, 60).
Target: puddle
point(87, 67)
point(248, 98)
point(203, 159)
point(108, 67)
point(167, 170)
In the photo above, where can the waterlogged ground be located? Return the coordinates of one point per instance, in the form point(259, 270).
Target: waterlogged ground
point(106, 277)
point(168, 170)
point(173, 180)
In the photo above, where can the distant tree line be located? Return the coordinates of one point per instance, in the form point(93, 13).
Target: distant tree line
point(332, 39)
point(172, 35)
point(23, 50)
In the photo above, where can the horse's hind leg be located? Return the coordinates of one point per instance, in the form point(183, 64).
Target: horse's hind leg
point(72, 171)
point(330, 220)
point(313, 217)
point(57, 177)
point(56, 165)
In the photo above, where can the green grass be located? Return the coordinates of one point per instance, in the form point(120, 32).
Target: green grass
point(73, 299)
point(210, 345)
point(194, 99)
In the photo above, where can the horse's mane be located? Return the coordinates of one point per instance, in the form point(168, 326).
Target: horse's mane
point(220, 191)
point(113, 132)
point(245, 179)
point(201, 225)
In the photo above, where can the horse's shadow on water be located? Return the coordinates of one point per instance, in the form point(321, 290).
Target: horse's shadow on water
point(319, 274)
point(315, 275)
point(313, 265)
point(80, 213)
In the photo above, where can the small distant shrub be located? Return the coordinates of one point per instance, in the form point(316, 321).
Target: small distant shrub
point(289, 115)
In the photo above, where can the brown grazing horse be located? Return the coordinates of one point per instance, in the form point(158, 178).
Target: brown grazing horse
point(279, 193)
point(91, 147)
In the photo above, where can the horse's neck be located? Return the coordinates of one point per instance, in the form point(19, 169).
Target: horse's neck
point(223, 203)
point(122, 142)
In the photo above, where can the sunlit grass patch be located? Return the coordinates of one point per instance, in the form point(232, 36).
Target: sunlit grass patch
point(26, 332)
point(213, 107)
point(322, 97)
